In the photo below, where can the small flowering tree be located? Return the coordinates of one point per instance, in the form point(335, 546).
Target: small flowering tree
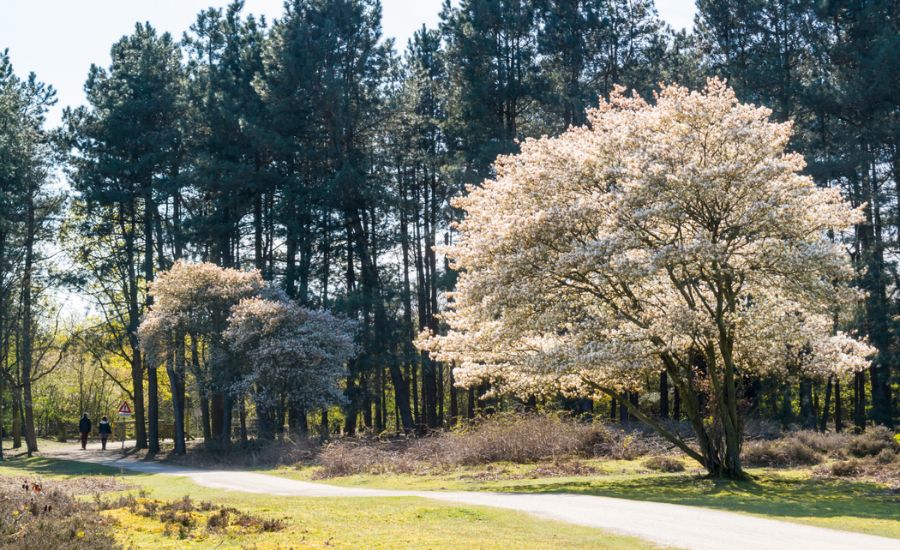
point(676, 237)
point(296, 356)
point(192, 304)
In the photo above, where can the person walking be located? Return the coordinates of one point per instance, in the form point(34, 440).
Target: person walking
point(85, 428)
point(105, 430)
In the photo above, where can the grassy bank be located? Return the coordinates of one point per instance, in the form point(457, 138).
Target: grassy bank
point(786, 494)
point(323, 522)
point(843, 481)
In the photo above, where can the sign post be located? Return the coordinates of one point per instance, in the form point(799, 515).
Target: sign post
point(124, 412)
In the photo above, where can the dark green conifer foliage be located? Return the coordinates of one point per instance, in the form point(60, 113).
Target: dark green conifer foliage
point(124, 143)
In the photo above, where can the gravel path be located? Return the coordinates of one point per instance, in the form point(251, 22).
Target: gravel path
point(664, 524)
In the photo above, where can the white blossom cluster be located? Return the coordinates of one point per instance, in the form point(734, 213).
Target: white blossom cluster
point(656, 231)
point(195, 301)
point(296, 353)
point(251, 338)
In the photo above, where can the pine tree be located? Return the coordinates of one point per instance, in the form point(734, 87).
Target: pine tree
point(226, 158)
point(27, 209)
point(123, 145)
point(494, 77)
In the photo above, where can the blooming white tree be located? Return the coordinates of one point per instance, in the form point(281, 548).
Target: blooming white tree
point(296, 356)
point(677, 237)
point(192, 304)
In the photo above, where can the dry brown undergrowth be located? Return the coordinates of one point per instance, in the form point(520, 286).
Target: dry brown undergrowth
point(187, 519)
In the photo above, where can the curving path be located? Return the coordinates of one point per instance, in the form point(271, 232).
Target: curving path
point(664, 524)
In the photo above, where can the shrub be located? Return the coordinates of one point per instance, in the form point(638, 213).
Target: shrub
point(626, 445)
point(824, 442)
point(562, 469)
point(349, 457)
point(845, 468)
point(519, 439)
point(781, 453)
point(872, 441)
point(759, 428)
point(664, 464)
point(49, 518)
point(886, 456)
point(502, 438)
point(247, 454)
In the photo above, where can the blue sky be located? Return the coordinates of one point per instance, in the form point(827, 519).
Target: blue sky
point(59, 39)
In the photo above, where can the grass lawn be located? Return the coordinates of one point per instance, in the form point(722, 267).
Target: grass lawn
point(789, 495)
point(330, 522)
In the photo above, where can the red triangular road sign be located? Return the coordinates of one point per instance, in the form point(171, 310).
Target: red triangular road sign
point(124, 408)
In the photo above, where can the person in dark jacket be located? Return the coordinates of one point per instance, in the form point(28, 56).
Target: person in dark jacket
point(85, 428)
point(104, 429)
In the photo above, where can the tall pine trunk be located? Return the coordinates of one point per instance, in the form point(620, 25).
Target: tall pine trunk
point(664, 395)
point(175, 369)
point(27, 328)
point(152, 383)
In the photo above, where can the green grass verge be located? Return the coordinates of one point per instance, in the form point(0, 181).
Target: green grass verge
point(788, 495)
point(333, 522)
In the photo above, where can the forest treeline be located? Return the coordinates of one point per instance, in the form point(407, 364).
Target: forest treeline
point(314, 150)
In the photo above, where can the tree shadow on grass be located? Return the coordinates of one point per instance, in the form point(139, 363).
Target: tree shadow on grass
point(55, 467)
point(766, 494)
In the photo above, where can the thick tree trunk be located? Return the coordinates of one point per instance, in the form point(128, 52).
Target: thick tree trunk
point(429, 383)
point(205, 420)
point(258, 260)
point(838, 406)
point(27, 328)
point(129, 224)
point(807, 413)
point(202, 390)
point(431, 272)
point(280, 417)
point(227, 410)
point(216, 408)
point(826, 405)
point(727, 396)
point(152, 383)
point(137, 384)
point(378, 394)
point(265, 422)
point(152, 410)
point(351, 408)
point(175, 369)
point(324, 429)
point(454, 405)
point(366, 402)
point(401, 396)
point(17, 416)
point(787, 405)
point(877, 302)
point(401, 386)
point(242, 416)
point(297, 421)
point(664, 395)
point(413, 369)
point(859, 401)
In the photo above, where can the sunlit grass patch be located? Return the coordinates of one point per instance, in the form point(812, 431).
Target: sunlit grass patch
point(791, 495)
point(332, 522)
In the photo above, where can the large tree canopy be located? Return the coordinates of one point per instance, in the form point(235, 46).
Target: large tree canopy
point(245, 338)
point(295, 355)
point(676, 237)
point(192, 303)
